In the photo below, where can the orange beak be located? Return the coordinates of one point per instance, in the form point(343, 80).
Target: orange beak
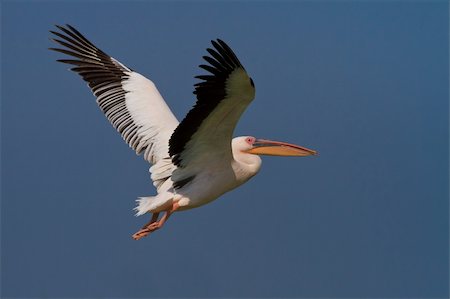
point(277, 148)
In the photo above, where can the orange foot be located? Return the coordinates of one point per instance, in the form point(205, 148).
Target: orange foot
point(154, 225)
point(145, 231)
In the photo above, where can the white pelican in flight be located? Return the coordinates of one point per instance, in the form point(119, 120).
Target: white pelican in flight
point(195, 161)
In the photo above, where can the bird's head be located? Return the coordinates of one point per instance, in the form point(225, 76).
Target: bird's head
point(255, 146)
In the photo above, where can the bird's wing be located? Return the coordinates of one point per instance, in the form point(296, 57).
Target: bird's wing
point(131, 102)
point(204, 136)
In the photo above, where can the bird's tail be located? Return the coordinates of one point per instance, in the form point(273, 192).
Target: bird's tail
point(153, 204)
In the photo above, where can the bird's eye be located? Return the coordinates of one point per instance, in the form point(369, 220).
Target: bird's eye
point(250, 140)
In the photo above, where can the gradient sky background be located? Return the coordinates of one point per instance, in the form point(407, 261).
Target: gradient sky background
point(363, 82)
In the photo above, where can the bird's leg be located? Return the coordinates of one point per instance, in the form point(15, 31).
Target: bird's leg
point(154, 224)
point(153, 220)
point(145, 229)
point(166, 216)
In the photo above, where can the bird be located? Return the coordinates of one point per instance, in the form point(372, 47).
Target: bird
point(195, 161)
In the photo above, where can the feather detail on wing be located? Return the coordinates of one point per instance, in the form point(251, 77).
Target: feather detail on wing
point(206, 132)
point(131, 102)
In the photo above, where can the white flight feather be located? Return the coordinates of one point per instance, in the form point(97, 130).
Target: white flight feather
point(156, 124)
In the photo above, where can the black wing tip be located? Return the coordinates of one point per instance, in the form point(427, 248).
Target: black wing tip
point(59, 50)
point(67, 26)
point(220, 58)
point(69, 30)
point(221, 62)
point(217, 47)
point(58, 26)
point(225, 50)
point(62, 28)
point(65, 32)
point(218, 41)
point(222, 43)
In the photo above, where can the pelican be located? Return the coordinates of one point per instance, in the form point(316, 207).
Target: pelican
point(195, 161)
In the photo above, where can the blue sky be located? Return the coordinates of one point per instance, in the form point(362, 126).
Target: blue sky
point(363, 82)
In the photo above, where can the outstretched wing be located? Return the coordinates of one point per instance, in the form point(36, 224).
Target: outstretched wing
point(204, 136)
point(131, 102)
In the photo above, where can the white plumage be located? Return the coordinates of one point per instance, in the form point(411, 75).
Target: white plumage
point(194, 161)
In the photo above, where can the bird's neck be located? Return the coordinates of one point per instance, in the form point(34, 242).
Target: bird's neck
point(246, 166)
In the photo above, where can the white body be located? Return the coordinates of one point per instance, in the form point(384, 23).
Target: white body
point(209, 184)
